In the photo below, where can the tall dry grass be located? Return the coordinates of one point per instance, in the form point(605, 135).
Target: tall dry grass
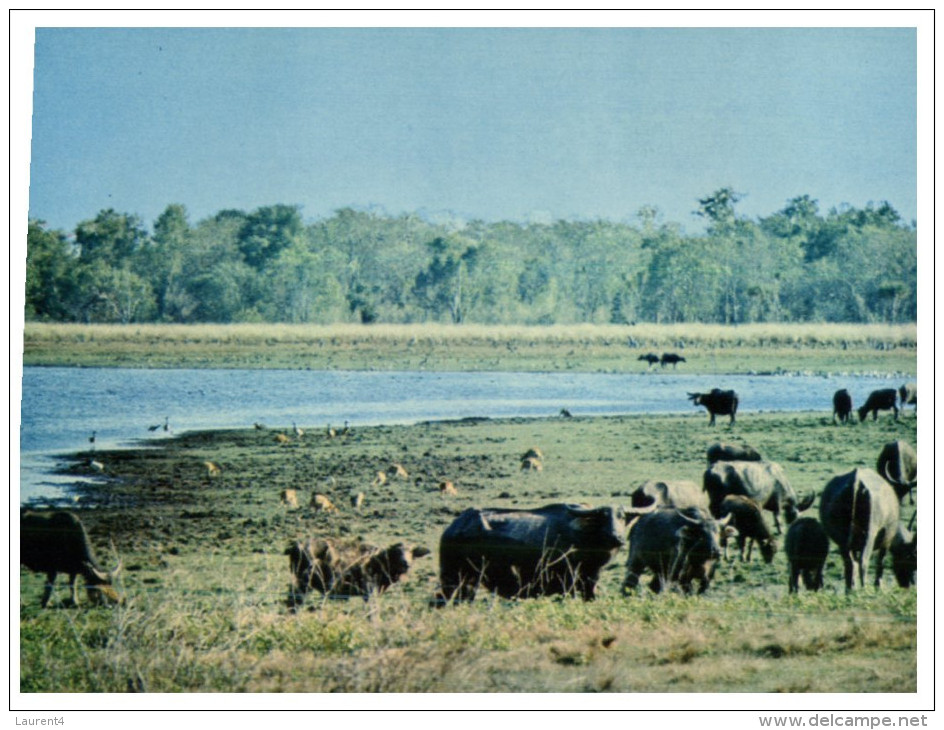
point(760, 334)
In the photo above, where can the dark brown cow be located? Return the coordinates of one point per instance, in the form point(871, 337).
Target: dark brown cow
point(885, 399)
point(56, 542)
point(807, 547)
point(842, 406)
point(718, 402)
point(670, 358)
point(748, 518)
point(522, 553)
point(859, 511)
point(677, 546)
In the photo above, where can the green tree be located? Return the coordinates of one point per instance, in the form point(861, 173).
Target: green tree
point(112, 237)
point(267, 231)
point(50, 273)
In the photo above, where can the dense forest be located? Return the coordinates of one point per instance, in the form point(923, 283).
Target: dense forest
point(268, 265)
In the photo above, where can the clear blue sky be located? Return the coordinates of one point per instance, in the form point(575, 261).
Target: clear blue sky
point(522, 124)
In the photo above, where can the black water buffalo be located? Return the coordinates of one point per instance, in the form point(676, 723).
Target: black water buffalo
point(860, 513)
point(908, 395)
point(670, 358)
point(884, 399)
point(732, 452)
point(660, 493)
point(842, 405)
point(56, 542)
point(718, 402)
point(762, 481)
point(748, 519)
point(677, 546)
point(649, 357)
point(807, 547)
point(521, 553)
point(346, 567)
point(898, 463)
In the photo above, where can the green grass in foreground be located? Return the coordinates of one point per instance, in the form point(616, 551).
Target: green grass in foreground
point(756, 348)
point(206, 578)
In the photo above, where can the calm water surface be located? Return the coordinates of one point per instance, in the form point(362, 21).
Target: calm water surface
point(62, 406)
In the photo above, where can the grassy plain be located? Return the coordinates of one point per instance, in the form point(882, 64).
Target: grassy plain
point(206, 579)
point(752, 348)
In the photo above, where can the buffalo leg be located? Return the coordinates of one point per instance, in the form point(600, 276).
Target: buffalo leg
point(794, 584)
point(47, 589)
point(74, 598)
point(879, 567)
point(847, 569)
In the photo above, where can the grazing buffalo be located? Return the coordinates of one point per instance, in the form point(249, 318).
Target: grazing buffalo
point(346, 567)
point(762, 481)
point(732, 452)
point(649, 357)
point(670, 358)
point(56, 542)
point(806, 546)
point(860, 513)
point(898, 463)
point(748, 519)
point(884, 399)
point(660, 493)
point(842, 405)
point(677, 546)
point(908, 394)
point(519, 553)
point(718, 402)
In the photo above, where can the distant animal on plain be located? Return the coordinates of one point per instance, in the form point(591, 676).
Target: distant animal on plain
point(212, 469)
point(357, 500)
point(842, 406)
point(282, 439)
point(806, 547)
point(330, 432)
point(379, 480)
point(322, 504)
point(447, 489)
point(884, 399)
point(56, 542)
point(564, 413)
point(649, 357)
point(297, 431)
point(289, 497)
point(732, 452)
point(533, 453)
point(670, 358)
point(397, 470)
point(335, 567)
point(718, 402)
point(531, 464)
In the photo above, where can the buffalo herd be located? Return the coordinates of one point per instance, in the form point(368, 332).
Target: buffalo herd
point(676, 530)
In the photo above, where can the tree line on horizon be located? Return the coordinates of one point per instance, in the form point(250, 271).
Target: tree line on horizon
point(268, 265)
